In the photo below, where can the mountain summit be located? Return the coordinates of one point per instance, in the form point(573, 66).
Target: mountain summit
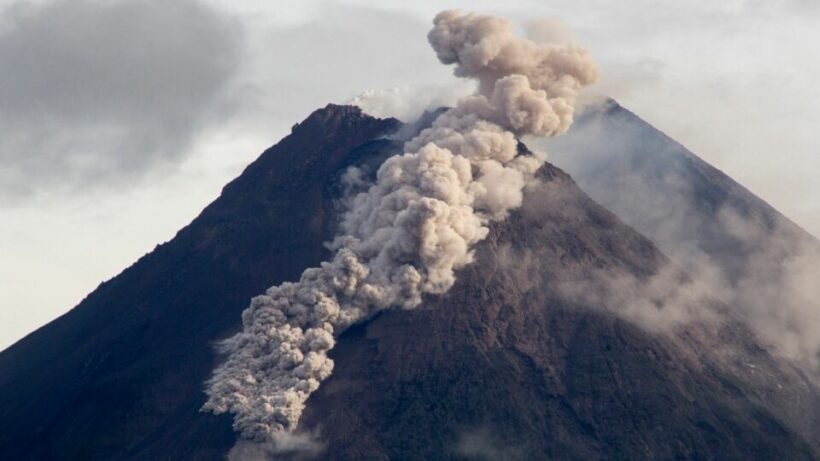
point(510, 363)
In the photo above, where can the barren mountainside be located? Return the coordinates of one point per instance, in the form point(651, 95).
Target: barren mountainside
point(504, 366)
point(667, 193)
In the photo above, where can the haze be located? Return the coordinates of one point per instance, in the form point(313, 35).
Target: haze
point(121, 120)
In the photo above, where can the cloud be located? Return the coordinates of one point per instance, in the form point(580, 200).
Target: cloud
point(98, 92)
point(333, 57)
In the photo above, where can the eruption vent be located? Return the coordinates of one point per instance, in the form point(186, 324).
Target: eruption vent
point(407, 234)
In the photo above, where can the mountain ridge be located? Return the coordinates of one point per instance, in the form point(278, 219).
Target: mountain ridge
point(668, 176)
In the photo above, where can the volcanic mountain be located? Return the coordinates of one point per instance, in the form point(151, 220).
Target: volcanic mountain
point(509, 364)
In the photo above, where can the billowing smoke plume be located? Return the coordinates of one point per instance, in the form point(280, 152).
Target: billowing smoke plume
point(407, 234)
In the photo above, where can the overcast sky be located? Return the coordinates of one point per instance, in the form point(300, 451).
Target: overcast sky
point(120, 120)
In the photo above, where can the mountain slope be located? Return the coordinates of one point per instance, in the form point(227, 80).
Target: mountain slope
point(504, 365)
point(120, 376)
point(683, 204)
point(764, 263)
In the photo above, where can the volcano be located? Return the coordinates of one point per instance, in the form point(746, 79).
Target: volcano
point(505, 365)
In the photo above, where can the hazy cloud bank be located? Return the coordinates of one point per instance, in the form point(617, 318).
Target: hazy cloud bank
point(100, 92)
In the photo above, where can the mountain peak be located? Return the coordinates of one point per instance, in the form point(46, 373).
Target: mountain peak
point(334, 116)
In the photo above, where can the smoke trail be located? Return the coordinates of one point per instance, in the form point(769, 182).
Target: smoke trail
point(408, 233)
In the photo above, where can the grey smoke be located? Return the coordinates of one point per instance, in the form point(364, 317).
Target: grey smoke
point(98, 92)
point(483, 444)
point(408, 233)
point(663, 300)
point(763, 268)
point(778, 290)
point(293, 446)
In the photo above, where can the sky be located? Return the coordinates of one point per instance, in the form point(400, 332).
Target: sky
point(120, 120)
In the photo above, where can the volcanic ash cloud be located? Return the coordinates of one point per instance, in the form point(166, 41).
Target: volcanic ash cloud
point(409, 231)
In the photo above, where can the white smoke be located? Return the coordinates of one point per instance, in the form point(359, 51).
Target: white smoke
point(408, 233)
point(778, 291)
point(282, 445)
point(484, 444)
point(549, 30)
point(408, 103)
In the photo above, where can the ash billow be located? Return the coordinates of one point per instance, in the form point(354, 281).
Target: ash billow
point(407, 233)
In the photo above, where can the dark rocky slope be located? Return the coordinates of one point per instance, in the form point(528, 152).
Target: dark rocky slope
point(687, 207)
point(121, 375)
point(501, 366)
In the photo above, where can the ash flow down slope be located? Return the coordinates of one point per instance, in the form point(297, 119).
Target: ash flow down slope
point(406, 230)
point(502, 366)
